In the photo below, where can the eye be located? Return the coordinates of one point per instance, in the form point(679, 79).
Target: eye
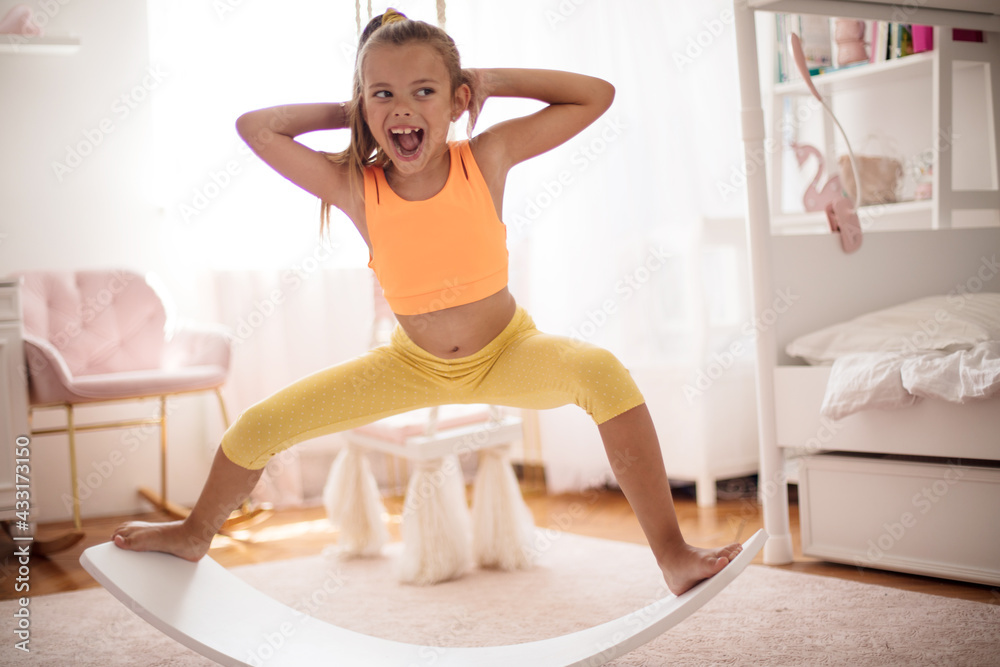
point(382, 94)
point(423, 92)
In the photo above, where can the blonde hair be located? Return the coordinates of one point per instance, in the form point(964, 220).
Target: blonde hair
point(391, 28)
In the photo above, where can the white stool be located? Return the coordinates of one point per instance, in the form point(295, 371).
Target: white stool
point(440, 538)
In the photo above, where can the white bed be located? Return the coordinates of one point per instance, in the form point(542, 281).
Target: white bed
point(915, 489)
point(832, 287)
point(921, 492)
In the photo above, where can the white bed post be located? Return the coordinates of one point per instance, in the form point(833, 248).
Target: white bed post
point(773, 486)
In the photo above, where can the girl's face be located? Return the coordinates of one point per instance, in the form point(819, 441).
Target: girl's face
point(409, 104)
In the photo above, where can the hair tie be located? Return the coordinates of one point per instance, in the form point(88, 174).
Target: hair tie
point(391, 16)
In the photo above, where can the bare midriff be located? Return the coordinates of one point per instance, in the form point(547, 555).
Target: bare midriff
point(462, 330)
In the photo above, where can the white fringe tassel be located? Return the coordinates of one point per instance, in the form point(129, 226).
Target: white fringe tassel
point(354, 505)
point(503, 527)
point(436, 526)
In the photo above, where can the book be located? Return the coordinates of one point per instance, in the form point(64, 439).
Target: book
point(903, 42)
point(790, 24)
point(817, 40)
point(962, 35)
point(880, 50)
point(816, 35)
point(923, 38)
point(781, 53)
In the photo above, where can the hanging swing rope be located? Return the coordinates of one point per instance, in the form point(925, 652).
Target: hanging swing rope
point(441, 12)
point(357, 14)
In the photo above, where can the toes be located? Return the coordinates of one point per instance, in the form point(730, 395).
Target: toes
point(125, 536)
point(732, 551)
point(124, 531)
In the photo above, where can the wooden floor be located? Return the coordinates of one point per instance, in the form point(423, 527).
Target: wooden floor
point(604, 514)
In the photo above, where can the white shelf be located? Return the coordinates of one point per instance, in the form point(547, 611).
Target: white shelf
point(904, 215)
point(871, 74)
point(41, 45)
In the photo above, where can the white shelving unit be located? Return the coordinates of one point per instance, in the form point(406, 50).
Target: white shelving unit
point(937, 66)
point(952, 70)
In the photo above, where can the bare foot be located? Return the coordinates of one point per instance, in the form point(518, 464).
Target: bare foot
point(173, 538)
point(686, 565)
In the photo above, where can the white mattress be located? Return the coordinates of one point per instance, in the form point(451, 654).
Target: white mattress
point(928, 428)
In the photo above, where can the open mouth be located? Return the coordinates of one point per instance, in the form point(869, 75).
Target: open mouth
point(407, 141)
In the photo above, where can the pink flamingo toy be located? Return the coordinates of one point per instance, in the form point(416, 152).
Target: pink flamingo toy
point(816, 199)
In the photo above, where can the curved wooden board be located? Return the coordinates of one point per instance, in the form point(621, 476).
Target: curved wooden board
point(212, 611)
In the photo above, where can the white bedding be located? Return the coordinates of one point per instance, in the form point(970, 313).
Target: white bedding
point(935, 323)
point(887, 380)
point(945, 347)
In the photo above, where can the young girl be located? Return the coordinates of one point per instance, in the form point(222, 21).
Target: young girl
point(430, 213)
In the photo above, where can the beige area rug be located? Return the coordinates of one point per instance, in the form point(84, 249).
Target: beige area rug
point(768, 616)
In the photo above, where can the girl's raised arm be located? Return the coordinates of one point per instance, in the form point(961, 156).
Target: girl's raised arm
point(271, 133)
point(574, 102)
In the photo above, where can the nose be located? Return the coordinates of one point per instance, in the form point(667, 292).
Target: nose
point(400, 108)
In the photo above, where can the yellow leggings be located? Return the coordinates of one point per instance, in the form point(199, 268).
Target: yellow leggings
point(521, 368)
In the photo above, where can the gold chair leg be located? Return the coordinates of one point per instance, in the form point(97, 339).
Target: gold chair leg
point(534, 462)
point(72, 467)
point(160, 500)
point(222, 406)
point(246, 517)
point(163, 452)
point(390, 471)
point(50, 546)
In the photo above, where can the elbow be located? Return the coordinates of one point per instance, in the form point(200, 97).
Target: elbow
point(244, 125)
point(604, 94)
point(609, 94)
point(253, 129)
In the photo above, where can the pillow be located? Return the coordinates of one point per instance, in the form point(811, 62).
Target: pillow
point(952, 322)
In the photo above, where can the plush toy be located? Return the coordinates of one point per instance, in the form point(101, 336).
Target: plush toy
point(816, 199)
point(19, 21)
point(850, 38)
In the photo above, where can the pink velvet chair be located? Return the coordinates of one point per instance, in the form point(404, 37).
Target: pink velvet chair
point(102, 336)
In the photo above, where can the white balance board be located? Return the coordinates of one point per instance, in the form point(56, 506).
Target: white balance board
point(212, 611)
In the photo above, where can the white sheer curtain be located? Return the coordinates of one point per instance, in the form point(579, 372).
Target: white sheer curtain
point(606, 233)
point(601, 230)
point(639, 181)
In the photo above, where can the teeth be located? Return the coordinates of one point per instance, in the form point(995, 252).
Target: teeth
point(399, 131)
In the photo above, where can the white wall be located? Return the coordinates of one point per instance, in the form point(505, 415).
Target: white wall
point(95, 212)
point(98, 212)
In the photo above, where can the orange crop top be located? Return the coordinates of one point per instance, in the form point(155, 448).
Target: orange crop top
point(441, 252)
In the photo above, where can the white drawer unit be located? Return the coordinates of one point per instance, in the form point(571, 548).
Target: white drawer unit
point(925, 516)
point(13, 399)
